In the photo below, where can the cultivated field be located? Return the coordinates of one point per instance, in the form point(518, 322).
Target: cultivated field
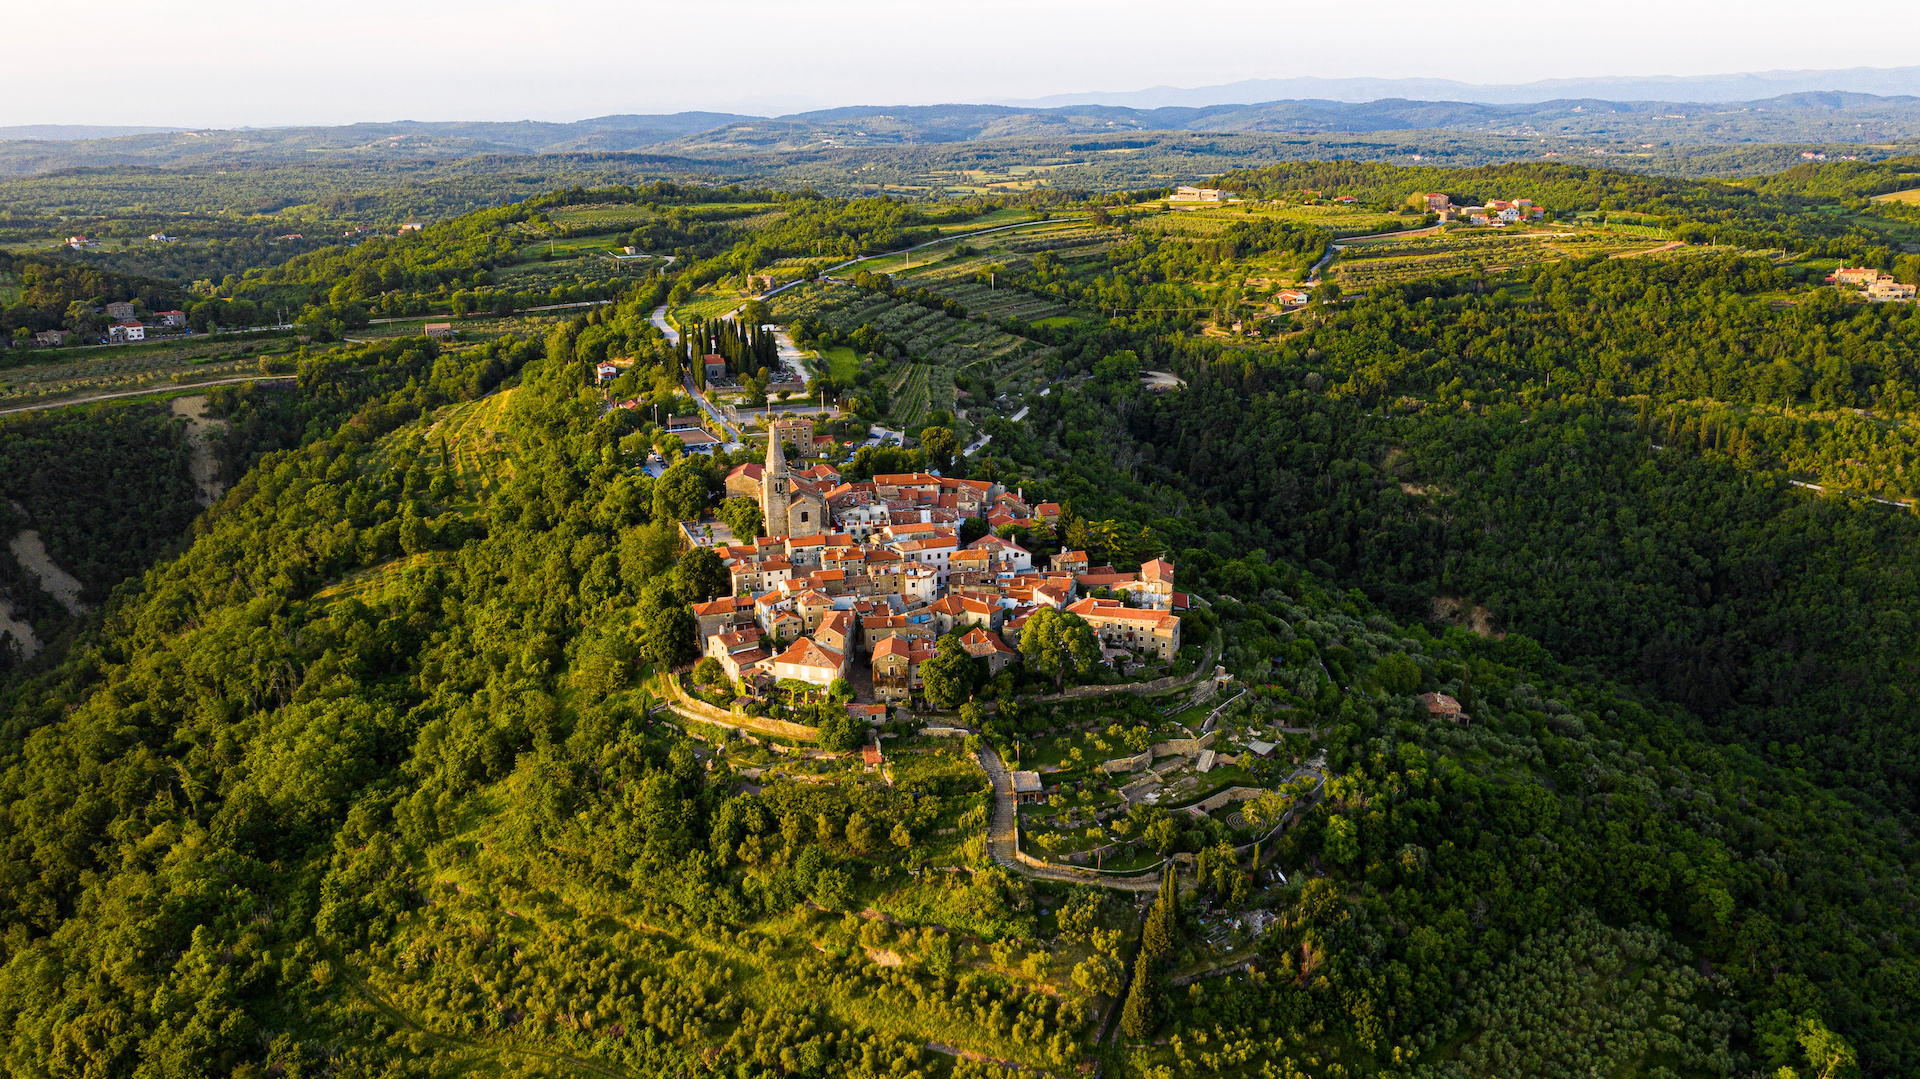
point(1391, 261)
point(53, 375)
point(970, 346)
point(476, 439)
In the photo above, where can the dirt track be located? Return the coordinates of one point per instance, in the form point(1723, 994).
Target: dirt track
point(19, 631)
point(55, 581)
point(207, 490)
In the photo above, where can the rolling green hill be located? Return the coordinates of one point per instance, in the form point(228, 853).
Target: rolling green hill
point(396, 760)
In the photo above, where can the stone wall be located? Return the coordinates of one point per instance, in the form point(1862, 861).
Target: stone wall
point(694, 708)
point(1203, 670)
point(1183, 747)
point(1228, 796)
point(1173, 747)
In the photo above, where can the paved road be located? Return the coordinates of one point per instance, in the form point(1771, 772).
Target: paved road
point(733, 433)
point(660, 323)
point(173, 387)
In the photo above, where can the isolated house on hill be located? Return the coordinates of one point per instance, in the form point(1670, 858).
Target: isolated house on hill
point(1441, 706)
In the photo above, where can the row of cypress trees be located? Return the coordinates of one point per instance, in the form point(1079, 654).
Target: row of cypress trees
point(748, 348)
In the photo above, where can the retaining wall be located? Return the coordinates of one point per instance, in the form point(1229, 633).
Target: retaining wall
point(1228, 796)
point(696, 708)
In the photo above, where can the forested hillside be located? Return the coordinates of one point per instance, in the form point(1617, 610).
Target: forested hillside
point(366, 771)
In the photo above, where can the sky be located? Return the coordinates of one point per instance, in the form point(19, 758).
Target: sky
point(226, 63)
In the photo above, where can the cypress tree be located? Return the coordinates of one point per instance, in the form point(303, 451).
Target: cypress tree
point(1160, 935)
point(1137, 1015)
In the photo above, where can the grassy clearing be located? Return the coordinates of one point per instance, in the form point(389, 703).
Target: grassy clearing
point(843, 364)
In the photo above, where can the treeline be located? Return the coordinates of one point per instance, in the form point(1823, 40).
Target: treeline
point(56, 294)
point(748, 347)
point(106, 486)
point(1776, 213)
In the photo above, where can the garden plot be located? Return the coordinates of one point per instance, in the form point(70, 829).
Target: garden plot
point(1105, 803)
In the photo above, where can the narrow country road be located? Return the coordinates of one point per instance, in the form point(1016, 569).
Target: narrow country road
point(660, 323)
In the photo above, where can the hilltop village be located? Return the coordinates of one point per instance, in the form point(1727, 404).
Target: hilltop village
point(854, 583)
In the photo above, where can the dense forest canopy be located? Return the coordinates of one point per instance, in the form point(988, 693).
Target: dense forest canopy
point(374, 767)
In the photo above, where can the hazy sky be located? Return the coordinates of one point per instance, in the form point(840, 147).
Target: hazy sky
point(226, 63)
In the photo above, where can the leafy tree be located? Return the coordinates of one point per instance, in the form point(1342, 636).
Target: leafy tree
point(1397, 673)
point(1059, 643)
point(646, 551)
point(680, 494)
point(950, 675)
point(743, 517)
point(839, 732)
point(700, 575)
point(1100, 975)
point(708, 672)
point(1342, 843)
point(1138, 1017)
point(666, 635)
point(940, 445)
point(1828, 1052)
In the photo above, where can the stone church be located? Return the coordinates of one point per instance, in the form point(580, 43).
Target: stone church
point(789, 509)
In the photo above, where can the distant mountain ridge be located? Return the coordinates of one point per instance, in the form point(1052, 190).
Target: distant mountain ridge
point(1806, 118)
point(1709, 89)
point(71, 132)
